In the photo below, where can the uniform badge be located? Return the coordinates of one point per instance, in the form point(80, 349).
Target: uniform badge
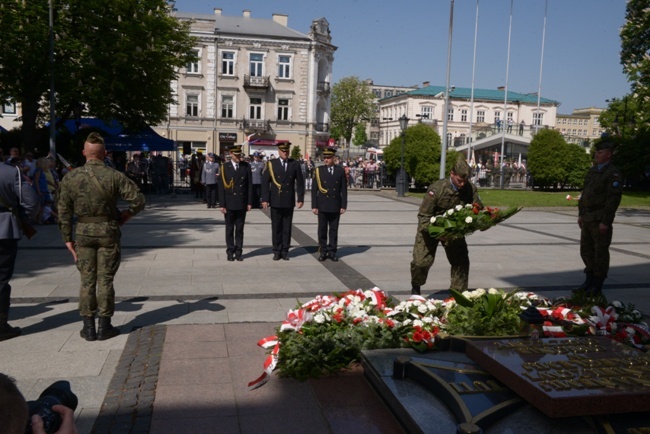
point(432, 193)
point(615, 184)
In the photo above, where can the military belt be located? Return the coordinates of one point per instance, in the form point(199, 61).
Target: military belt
point(94, 219)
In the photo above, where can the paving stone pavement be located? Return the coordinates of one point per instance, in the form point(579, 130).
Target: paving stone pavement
point(191, 319)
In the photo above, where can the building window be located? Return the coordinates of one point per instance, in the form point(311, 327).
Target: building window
point(192, 105)
point(227, 107)
point(463, 115)
point(449, 142)
point(283, 109)
point(497, 117)
point(284, 67)
point(426, 112)
point(374, 122)
point(450, 114)
point(510, 116)
point(228, 63)
point(193, 66)
point(9, 108)
point(480, 116)
point(538, 118)
point(377, 93)
point(256, 64)
point(388, 93)
point(255, 110)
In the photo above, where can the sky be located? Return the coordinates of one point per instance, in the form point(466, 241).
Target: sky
point(405, 43)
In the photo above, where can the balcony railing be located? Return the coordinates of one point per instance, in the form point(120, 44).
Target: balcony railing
point(256, 125)
point(323, 86)
point(256, 82)
point(323, 127)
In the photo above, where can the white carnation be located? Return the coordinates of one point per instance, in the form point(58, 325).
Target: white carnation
point(493, 291)
point(468, 220)
point(450, 212)
point(418, 322)
point(459, 207)
point(433, 220)
point(617, 304)
point(422, 308)
point(319, 318)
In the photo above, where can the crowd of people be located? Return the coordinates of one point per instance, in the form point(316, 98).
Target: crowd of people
point(487, 174)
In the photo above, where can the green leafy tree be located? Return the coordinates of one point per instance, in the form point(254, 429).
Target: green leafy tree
point(576, 166)
point(421, 154)
point(113, 60)
point(546, 158)
point(360, 137)
point(295, 153)
point(635, 46)
point(352, 101)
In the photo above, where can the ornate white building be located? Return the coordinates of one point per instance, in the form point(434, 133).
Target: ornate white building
point(256, 82)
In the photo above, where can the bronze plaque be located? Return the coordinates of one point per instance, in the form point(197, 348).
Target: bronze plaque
point(569, 376)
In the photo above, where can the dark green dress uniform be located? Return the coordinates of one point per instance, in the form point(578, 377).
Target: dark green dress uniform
point(598, 204)
point(329, 195)
point(97, 232)
point(441, 196)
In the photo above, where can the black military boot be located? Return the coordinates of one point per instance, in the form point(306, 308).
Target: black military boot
point(106, 330)
point(589, 277)
point(7, 331)
point(88, 332)
point(415, 289)
point(596, 287)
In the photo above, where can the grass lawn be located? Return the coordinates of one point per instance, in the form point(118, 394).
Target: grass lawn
point(530, 199)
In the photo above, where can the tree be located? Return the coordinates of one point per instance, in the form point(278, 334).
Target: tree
point(421, 154)
point(576, 166)
point(635, 45)
point(352, 102)
point(113, 60)
point(360, 137)
point(546, 156)
point(295, 153)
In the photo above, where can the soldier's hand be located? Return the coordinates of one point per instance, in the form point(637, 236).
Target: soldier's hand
point(249, 207)
point(70, 247)
point(265, 205)
point(315, 211)
point(125, 216)
point(603, 228)
point(342, 210)
point(580, 222)
point(300, 204)
point(223, 210)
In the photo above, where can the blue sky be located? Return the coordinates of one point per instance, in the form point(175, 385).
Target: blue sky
point(405, 42)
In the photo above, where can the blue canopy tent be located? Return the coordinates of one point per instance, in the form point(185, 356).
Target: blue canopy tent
point(117, 139)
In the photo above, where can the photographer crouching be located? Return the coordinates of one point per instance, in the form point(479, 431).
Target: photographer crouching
point(52, 413)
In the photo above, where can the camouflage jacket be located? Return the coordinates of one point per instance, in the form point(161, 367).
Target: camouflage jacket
point(601, 195)
point(79, 197)
point(441, 196)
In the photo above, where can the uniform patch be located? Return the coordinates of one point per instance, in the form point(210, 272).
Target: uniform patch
point(432, 193)
point(615, 183)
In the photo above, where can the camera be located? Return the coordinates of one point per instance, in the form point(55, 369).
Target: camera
point(59, 393)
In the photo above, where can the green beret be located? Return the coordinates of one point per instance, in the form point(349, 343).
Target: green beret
point(461, 168)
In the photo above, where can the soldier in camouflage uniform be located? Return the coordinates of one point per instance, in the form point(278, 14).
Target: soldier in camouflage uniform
point(91, 193)
point(441, 196)
point(596, 210)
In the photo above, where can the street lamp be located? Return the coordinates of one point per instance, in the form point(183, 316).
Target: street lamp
point(401, 176)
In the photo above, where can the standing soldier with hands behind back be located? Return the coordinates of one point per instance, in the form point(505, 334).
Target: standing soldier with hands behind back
point(440, 197)
point(91, 193)
point(597, 207)
point(329, 199)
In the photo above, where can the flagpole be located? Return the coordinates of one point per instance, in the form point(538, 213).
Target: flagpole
point(505, 99)
point(471, 103)
point(445, 114)
point(541, 65)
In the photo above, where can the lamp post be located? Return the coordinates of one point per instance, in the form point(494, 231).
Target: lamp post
point(51, 52)
point(401, 176)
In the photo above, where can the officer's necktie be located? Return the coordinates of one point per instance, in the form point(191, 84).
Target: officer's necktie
point(235, 165)
point(284, 165)
point(331, 171)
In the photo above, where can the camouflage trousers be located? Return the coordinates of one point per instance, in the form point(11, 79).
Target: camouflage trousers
point(98, 259)
point(424, 254)
point(594, 249)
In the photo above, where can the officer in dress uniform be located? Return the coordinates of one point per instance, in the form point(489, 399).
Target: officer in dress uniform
point(597, 207)
point(18, 201)
point(236, 195)
point(329, 199)
point(281, 181)
point(441, 196)
point(91, 193)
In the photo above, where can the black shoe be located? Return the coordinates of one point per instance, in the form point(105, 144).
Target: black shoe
point(89, 332)
point(9, 332)
point(276, 257)
point(285, 257)
point(106, 330)
point(333, 257)
point(415, 290)
point(321, 258)
point(239, 258)
point(231, 258)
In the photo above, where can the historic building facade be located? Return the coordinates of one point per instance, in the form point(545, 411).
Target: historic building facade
point(581, 127)
point(256, 82)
